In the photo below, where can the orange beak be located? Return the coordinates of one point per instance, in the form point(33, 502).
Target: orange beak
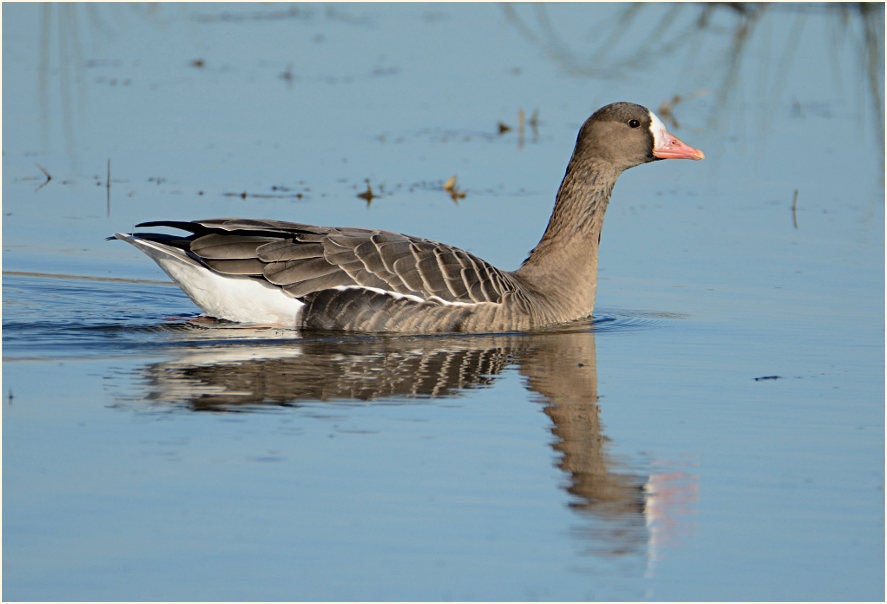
point(669, 146)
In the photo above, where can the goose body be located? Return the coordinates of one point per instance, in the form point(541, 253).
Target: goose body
point(355, 279)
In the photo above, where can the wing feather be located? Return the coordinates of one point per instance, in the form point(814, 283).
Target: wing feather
point(308, 286)
point(248, 266)
point(278, 251)
point(222, 247)
point(302, 259)
point(405, 268)
point(294, 271)
point(391, 251)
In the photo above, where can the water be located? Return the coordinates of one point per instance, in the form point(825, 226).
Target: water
point(716, 433)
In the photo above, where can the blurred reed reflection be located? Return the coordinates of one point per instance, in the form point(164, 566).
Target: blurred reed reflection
point(560, 368)
point(725, 48)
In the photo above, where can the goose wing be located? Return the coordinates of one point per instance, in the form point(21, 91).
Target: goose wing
point(302, 259)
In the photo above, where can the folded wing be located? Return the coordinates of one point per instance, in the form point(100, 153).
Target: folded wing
point(303, 259)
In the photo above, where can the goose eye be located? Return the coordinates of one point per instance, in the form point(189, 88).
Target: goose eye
point(634, 123)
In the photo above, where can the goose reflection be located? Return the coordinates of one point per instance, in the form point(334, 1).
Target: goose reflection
point(624, 508)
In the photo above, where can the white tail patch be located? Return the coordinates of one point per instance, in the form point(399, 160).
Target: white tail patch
point(241, 299)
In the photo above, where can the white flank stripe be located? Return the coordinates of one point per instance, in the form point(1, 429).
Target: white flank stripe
point(385, 292)
point(411, 297)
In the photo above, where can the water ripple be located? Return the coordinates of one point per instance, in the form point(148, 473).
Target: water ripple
point(616, 321)
point(48, 318)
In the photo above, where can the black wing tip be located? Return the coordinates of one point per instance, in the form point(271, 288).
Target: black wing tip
point(242, 226)
point(185, 225)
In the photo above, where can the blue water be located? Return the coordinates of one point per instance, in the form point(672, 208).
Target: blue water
point(716, 433)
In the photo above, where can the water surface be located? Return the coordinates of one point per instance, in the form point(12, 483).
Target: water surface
point(715, 433)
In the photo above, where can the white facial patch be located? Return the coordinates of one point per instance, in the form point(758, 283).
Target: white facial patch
point(658, 130)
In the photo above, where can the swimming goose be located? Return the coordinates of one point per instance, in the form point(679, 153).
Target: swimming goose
point(343, 278)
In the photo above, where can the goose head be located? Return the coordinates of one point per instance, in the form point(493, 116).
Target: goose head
point(625, 135)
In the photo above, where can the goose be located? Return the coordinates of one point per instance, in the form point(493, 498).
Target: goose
point(370, 280)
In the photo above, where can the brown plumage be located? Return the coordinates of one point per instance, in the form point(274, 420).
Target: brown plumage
point(371, 280)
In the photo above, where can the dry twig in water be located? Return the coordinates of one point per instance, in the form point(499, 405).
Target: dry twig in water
point(45, 173)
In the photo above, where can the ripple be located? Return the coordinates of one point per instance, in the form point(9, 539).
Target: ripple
point(615, 321)
point(68, 318)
